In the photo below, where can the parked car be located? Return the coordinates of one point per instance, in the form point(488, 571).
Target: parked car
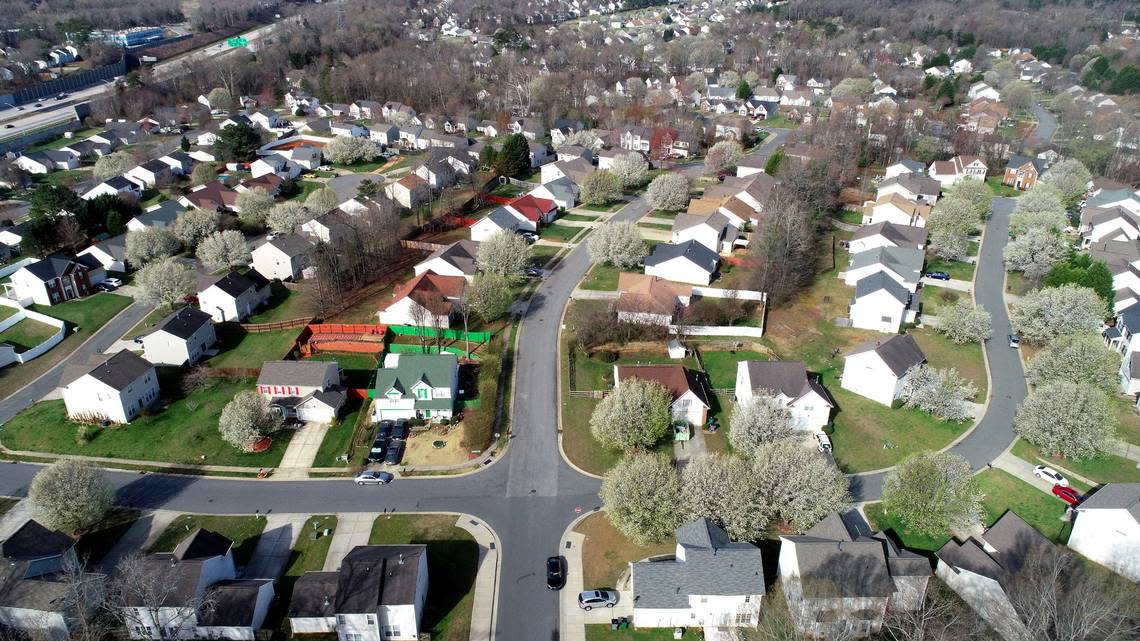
point(1014, 341)
point(374, 477)
point(823, 443)
point(591, 599)
point(9, 126)
point(271, 236)
point(555, 573)
point(384, 431)
point(378, 450)
point(937, 275)
point(113, 282)
point(533, 272)
point(1067, 494)
point(61, 96)
point(1049, 474)
point(104, 287)
point(395, 453)
point(401, 429)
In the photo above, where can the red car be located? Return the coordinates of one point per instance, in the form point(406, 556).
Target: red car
point(1067, 494)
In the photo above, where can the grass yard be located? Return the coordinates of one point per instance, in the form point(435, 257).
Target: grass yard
point(452, 564)
point(602, 632)
point(721, 366)
point(94, 544)
point(1016, 283)
point(606, 553)
point(560, 233)
point(307, 555)
point(186, 431)
point(357, 368)
point(595, 374)
point(1000, 190)
point(362, 167)
point(5, 312)
point(941, 352)
point(151, 319)
point(283, 304)
point(614, 206)
point(338, 438)
point(64, 178)
point(848, 216)
point(957, 269)
point(879, 520)
point(83, 316)
point(238, 348)
point(580, 218)
point(26, 334)
point(304, 188)
point(244, 531)
point(1107, 468)
point(60, 143)
point(602, 277)
point(936, 299)
point(1128, 419)
point(540, 255)
point(649, 225)
point(7, 503)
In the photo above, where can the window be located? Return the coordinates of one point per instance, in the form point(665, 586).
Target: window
point(422, 392)
point(390, 631)
point(371, 619)
point(353, 636)
point(340, 619)
point(743, 618)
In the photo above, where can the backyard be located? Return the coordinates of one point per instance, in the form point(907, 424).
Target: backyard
point(239, 348)
point(185, 431)
point(283, 304)
point(453, 559)
point(242, 530)
point(26, 334)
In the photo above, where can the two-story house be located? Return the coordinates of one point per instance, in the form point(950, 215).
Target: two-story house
point(116, 389)
point(283, 258)
point(378, 594)
point(55, 279)
point(1022, 172)
point(949, 172)
point(689, 401)
point(181, 338)
point(233, 296)
point(714, 231)
point(1106, 528)
point(878, 369)
point(306, 391)
point(416, 386)
point(428, 300)
point(882, 304)
point(789, 383)
point(884, 234)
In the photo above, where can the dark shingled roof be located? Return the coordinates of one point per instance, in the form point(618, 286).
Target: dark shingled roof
point(372, 575)
point(231, 603)
point(52, 267)
point(184, 322)
point(695, 252)
point(900, 235)
point(880, 280)
point(314, 595)
point(900, 353)
point(236, 284)
point(461, 254)
point(34, 541)
point(118, 371)
point(1115, 496)
point(789, 378)
point(202, 544)
point(1013, 541)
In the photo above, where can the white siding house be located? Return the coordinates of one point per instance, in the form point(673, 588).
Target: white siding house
point(181, 338)
point(690, 262)
point(877, 369)
point(116, 390)
point(416, 386)
point(689, 400)
point(790, 384)
point(1106, 528)
point(233, 296)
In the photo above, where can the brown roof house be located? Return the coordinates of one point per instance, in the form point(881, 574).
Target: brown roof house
point(650, 300)
point(790, 384)
point(689, 400)
point(425, 301)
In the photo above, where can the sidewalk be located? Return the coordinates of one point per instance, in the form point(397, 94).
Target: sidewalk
point(273, 548)
point(138, 537)
point(352, 529)
point(1022, 469)
point(302, 451)
point(593, 294)
point(483, 612)
point(573, 619)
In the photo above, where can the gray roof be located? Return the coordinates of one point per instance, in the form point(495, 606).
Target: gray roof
point(300, 373)
point(561, 188)
point(373, 575)
point(155, 166)
point(165, 212)
point(915, 183)
point(1115, 496)
point(503, 219)
point(202, 544)
point(880, 280)
point(460, 254)
point(314, 595)
point(904, 261)
point(235, 284)
point(900, 235)
point(900, 353)
point(789, 378)
point(912, 165)
point(33, 541)
point(54, 266)
point(691, 250)
point(1013, 541)
point(713, 566)
point(121, 370)
point(291, 245)
point(231, 603)
point(1016, 161)
point(184, 322)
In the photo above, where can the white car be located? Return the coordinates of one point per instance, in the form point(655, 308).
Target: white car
point(374, 477)
point(113, 282)
point(823, 443)
point(1050, 475)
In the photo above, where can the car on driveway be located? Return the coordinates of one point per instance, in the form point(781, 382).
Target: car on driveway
point(378, 450)
point(1067, 494)
point(1051, 475)
point(104, 287)
point(937, 275)
point(395, 453)
point(138, 340)
point(384, 430)
point(1014, 342)
point(374, 477)
point(591, 599)
point(113, 282)
point(533, 272)
point(555, 573)
point(822, 442)
point(401, 430)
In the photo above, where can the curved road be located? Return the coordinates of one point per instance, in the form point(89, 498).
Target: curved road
point(994, 432)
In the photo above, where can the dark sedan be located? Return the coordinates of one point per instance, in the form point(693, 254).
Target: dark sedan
point(555, 573)
point(395, 453)
point(385, 430)
point(378, 451)
point(401, 430)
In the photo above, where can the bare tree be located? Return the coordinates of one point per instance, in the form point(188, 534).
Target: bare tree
point(144, 597)
point(940, 616)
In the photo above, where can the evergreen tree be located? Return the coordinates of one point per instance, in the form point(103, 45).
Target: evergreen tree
point(514, 158)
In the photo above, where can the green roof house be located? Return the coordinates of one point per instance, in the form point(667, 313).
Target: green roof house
point(416, 386)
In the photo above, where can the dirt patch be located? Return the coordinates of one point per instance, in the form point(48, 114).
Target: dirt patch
point(422, 448)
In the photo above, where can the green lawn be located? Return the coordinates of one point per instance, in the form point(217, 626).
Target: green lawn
point(148, 322)
point(338, 438)
point(1127, 418)
point(362, 167)
point(84, 316)
point(26, 334)
point(7, 503)
point(307, 555)
point(560, 233)
point(614, 206)
point(606, 553)
point(304, 188)
point(283, 304)
point(5, 312)
point(957, 269)
point(941, 352)
point(1107, 468)
point(602, 632)
point(64, 178)
point(540, 255)
point(602, 276)
point(60, 143)
point(94, 544)
point(357, 368)
point(721, 366)
point(937, 299)
point(581, 218)
point(879, 520)
point(849, 217)
point(998, 189)
point(781, 122)
point(242, 530)
point(596, 374)
point(238, 348)
point(452, 564)
point(1016, 283)
point(186, 431)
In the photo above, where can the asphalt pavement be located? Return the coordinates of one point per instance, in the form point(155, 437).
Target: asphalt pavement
point(1046, 126)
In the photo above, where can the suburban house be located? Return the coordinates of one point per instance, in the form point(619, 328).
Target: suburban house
point(918, 188)
point(160, 216)
point(181, 338)
point(877, 369)
point(710, 582)
point(882, 304)
point(180, 162)
point(37, 597)
point(306, 391)
point(213, 196)
point(282, 258)
point(1022, 172)
point(650, 300)
point(109, 253)
point(499, 220)
point(274, 165)
point(150, 173)
point(1106, 528)
point(789, 383)
point(903, 264)
point(885, 234)
point(456, 259)
point(425, 301)
point(87, 149)
point(114, 186)
point(839, 578)
point(895, 208)
point(980, 90)
point(714, 231)
point(411, 191)
point(378, 594)
point(55, 279)
point(202, 597)
point(116, 389)
point(416, 386)
point(576, 170)
point(689, 400)
point(688, 262)
point(904, 166)
point(1123, 338)
point(949, 172)
point(982, 568)
point(563, 192)
point(1122, 257)
point(1109, 223)
point(330, 227)
point(233, 296)
point(47, 161)
point(535, 210)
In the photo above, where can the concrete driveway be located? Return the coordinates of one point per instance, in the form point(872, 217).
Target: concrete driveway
point(275, 545)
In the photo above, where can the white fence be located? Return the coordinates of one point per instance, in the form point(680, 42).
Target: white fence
point(740, 294)
point(9, 355)
point(718, 330)
point(15, 267)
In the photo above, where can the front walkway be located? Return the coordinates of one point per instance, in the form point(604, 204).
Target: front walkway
point(486, 588)
point(273, 548)
point(694, 448)
point(14, 518)
point(1022, 469)
point(302, 451)
point(352, 529)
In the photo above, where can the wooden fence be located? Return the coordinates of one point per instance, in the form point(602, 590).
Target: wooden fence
point(418, 244)
point(257, 328)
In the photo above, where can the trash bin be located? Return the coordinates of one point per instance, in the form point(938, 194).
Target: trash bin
point(613, 624)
